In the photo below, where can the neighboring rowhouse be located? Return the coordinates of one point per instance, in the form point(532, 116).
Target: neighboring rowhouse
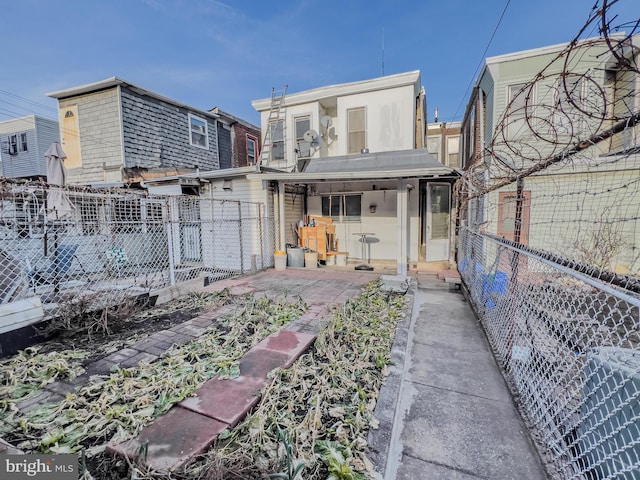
point(443, 142)
point(529, 108)
point(355, 153)
point(243, 146)
point(114, 131)
point(24, 142)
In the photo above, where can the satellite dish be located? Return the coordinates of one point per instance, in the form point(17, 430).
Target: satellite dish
point(326, 121)
point(310, 136)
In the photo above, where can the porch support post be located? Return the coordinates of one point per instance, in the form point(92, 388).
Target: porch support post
point(281, 222)
point(401, 227)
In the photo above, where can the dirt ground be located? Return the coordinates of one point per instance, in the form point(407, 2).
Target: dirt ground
point(102, 333)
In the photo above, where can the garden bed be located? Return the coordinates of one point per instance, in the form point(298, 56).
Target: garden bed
point(313, 417)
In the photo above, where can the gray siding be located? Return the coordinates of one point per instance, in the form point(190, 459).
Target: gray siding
point(41, 133)
point(156, 135)
point(224, 146)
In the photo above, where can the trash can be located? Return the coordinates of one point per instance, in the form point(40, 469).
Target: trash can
point(295, 257)
point(341, 259)
point(280, 260)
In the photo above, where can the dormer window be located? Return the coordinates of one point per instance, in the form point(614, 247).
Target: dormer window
point(198, 132)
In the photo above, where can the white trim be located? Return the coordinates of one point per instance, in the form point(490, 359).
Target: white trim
point(343, 89)
point(206, 132)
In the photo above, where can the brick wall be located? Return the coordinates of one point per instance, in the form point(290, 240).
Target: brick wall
point(240, 133)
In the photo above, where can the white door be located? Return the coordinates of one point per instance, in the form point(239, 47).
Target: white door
point(438, 210)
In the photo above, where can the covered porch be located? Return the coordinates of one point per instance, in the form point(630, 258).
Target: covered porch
point(399, 204)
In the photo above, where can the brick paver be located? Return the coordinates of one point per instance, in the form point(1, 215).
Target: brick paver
point(226, 401)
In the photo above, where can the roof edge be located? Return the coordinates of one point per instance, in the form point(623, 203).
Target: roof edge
point(340, 89)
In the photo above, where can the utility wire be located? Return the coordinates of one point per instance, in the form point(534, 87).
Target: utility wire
point(31, 102)
point(482, 57)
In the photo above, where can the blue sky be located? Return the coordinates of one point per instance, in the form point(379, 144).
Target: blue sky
point(208, 53)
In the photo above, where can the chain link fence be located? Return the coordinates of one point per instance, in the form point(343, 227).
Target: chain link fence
point(549, 210)
point(569, 345)
point(75, 249)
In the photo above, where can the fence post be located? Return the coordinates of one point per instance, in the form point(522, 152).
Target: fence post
point(261, 233)
point(172, 266)
point(515, 260)
point(240, 237)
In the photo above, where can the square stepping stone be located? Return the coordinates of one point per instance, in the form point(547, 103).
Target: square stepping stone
point(258, 362)
point(227, 400)
point(173, 439)
point(291, 343)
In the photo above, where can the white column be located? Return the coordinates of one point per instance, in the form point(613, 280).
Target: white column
point(402, 227)
point(281, 222)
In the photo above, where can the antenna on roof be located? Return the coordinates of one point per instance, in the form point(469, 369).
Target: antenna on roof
point(383, 51)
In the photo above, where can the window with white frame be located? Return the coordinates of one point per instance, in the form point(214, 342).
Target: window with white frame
point(453, 148)
point(252, 144)
point(356, 130)
point(23, 142)
point(433, 146)
point(342, 207)
point(303, 125)
point(568, 102)
point(277, 140)
point(198, 132)
point(518, 99)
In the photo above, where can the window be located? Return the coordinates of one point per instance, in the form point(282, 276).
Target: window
point(568, 101)
point(433, 147)
point(251, 150)
point(453, 147)
point(356, 130)
point(23, 142)
point(518, 101)
point(13, 144)
point(277, 140)
point(346, 208)
point(198, 133)
point(303, 125)
point(507, 216)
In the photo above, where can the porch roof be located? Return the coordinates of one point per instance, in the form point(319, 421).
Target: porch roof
point(367, 166)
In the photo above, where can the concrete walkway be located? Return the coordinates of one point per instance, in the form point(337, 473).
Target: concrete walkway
point(454, 417)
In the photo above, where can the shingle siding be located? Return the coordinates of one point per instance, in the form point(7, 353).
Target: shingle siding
point(99, 130)
point(156, 135)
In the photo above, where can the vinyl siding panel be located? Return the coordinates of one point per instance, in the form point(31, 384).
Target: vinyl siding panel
point(41, 133)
